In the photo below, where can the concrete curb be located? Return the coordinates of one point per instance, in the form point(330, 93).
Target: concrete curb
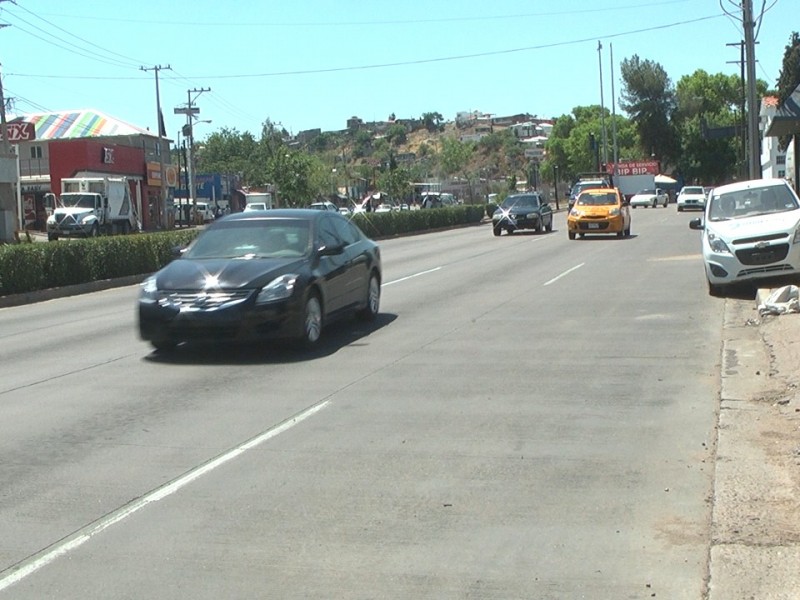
point(68, 290)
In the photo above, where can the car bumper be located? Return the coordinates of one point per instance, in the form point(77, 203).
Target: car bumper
point(750, 264)
point(692, 205)
point(519, 223)
point(606, 225)
point(243, 323)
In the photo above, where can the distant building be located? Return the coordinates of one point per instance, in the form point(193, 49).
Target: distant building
point(89, 143)
point(773, 159)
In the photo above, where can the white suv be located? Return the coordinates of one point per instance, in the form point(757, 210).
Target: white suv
point(691, 196)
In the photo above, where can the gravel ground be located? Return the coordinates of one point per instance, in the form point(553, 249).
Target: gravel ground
point(755, 551)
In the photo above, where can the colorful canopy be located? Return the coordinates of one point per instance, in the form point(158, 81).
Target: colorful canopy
point(79, 124)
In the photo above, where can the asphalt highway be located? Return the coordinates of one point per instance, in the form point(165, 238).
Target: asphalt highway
point(529, 417)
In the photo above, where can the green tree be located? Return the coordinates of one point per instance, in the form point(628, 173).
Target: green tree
point(396, 183)
point(397, 134)
point(432, 121)
point(649, 99)
point(706, 101)
point(231, 152)
point(789, 78)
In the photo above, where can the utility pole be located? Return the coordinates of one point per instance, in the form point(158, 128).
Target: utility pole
point(602, 106)
point(162, 221)
point(752, 100)
point(188, 132)
point(743, 165)
point(615, 146)
point(9, 207)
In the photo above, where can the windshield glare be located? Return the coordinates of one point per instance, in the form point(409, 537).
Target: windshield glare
point(521, 201)
point(594, 199)
point(78, 200)
point(693, 190)
point(751, 202)
point(256, 238)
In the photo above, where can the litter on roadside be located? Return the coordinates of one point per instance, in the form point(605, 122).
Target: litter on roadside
point(781, 301)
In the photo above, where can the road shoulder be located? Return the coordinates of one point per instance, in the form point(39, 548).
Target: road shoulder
point(755, 545)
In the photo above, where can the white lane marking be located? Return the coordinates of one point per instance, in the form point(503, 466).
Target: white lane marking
point(83, 535)
point(411, 276)
point(567, 272)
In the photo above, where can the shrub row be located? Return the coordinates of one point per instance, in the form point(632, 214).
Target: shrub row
point(37, 266)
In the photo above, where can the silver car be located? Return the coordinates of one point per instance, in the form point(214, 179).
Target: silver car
point(751, 231)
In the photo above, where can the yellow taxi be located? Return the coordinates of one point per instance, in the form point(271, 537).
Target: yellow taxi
point(601, 210)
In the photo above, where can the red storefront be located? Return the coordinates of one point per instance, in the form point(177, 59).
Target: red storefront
point(92, 157)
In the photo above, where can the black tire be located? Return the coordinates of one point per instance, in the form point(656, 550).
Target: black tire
point(52, 237)
point(373, 302)
point(680, 209)
point(620, 233)
point(95, 231)
point(497, 230)
point(571, 235)
point(312, 323)
point(549, 226)
point(715, 291)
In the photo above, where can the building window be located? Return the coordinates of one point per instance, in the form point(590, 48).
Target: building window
point(36, 152)
point(781, 174)
point(780, 159)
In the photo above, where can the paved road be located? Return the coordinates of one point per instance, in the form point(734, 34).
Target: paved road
point(530, 417)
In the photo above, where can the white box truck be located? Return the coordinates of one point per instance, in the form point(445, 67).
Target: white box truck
point(89, 206)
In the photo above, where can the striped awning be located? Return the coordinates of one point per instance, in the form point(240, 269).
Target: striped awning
point(79, 124)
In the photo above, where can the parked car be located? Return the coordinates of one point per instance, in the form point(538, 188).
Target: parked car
point(751, 231)
point(324, 206)
point(691, 197)
point(523, 211)
point(283, 273)
point(601, 210)
point(203, 212)
point(650, 197)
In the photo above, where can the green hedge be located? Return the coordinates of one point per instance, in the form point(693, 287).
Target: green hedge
point(378, 225)
point(36, 266)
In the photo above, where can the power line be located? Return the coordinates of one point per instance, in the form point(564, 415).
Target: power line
point(481, 18)
point(132, 61)
point(412, 62)
point(70, 47)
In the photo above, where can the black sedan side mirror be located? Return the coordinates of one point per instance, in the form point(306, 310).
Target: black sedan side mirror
point(331, 250)
point(696, 224)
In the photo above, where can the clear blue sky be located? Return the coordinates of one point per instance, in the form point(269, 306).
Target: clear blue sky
point(314, 63)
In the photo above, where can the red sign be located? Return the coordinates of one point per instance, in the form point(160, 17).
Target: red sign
point(20, 131)
point(635, 167)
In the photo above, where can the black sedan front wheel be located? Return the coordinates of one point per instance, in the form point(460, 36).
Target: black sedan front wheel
point(370, 310)
point(312, 322)
point(497, 230)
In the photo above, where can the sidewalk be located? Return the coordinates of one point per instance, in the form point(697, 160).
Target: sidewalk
point(755, 537)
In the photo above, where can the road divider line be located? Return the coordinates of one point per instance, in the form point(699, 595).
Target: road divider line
point(411, 276)
point(44, 557)
point(565, 273)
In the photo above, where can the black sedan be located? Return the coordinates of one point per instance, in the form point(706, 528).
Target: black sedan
point(523, 211)
point(256, 275)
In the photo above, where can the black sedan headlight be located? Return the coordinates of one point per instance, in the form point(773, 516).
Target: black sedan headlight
point(279, 288)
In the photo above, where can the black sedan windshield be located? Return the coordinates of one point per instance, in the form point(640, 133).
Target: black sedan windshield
point(521, 202)
point(252, 238)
